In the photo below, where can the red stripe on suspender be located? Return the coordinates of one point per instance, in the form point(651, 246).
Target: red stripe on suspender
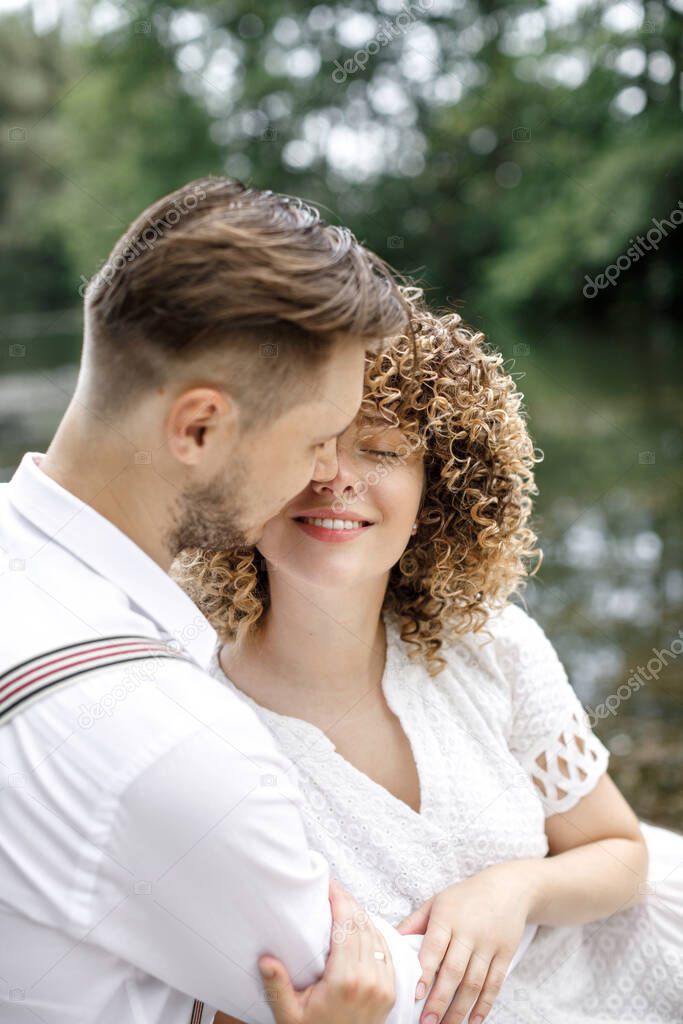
point(69, 661)
point(78, 661)
point(65, 657)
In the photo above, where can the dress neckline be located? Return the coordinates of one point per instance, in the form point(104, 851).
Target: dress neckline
point(399, 686)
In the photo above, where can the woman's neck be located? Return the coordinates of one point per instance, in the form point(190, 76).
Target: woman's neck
point(319, 649)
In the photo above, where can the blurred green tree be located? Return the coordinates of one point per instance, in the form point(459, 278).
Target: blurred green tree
point(504, 154)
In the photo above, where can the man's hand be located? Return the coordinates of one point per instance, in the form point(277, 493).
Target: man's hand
point(357, 986)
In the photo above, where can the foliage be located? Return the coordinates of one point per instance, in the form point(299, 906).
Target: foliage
point(499, 152)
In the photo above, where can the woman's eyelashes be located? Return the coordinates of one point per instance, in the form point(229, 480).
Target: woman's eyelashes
point(365, 444)
point(379, 454)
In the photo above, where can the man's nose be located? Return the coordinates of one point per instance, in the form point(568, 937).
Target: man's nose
point(341, 479)
point(327, 463)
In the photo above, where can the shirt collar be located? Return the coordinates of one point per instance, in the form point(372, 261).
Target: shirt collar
point(95, 540)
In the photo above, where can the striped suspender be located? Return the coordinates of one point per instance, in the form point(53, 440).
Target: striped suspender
point(25, 683)
point(197, 1011)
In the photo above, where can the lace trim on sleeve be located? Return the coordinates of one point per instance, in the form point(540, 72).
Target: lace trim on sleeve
point(565, 770)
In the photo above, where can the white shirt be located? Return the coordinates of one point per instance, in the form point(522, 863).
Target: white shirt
point(151, 839)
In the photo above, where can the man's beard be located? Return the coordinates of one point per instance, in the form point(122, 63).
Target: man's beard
point(208, 517)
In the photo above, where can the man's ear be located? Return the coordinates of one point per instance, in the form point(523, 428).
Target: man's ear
point(199, 417)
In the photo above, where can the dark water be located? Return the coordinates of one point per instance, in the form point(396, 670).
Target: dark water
point(608, 414)
point(607, 411)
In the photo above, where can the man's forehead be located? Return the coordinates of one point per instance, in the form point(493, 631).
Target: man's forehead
point(333, 418)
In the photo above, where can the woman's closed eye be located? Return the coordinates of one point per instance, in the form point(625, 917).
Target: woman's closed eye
point(382, 454)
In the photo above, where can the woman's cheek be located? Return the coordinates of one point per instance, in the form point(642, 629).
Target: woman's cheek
point(400, 493)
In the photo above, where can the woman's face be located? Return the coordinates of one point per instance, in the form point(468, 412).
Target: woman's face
point(378, 488)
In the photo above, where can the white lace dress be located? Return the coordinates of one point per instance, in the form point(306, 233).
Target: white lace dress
point(478, 731)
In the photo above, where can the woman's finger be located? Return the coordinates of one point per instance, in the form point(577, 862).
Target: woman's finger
point(279, 990)
point(451, 971)
point(437, 939)
point(469, 988)
point(494, 981)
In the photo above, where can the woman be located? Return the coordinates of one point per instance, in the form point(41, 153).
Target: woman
point(437, 741)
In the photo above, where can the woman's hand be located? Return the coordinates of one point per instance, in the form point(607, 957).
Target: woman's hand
point(356, 988)
point(473, 929)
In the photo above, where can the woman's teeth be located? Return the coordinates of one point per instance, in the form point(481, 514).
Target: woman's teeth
point(334, 524)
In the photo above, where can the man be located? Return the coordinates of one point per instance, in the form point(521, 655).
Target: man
point(151, 846)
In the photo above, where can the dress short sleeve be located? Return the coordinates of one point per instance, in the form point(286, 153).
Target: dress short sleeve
point(549, 731)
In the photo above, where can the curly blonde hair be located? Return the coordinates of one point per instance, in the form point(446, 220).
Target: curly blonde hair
point(457, 405)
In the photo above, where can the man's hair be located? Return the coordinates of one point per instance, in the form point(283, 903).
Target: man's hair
point(224, 283)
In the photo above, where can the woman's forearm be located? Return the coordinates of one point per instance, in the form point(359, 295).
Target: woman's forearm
point(587, 883)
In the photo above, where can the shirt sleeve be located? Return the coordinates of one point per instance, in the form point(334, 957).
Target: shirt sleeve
point(549, 732)
point(206, 867)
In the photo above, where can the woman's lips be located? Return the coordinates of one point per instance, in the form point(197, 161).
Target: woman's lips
point(330, 535)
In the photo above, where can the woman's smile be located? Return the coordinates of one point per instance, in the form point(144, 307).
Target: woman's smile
point(327, 526)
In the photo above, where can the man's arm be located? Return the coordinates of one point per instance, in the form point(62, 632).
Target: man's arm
point(356, 988)
point(206, 867)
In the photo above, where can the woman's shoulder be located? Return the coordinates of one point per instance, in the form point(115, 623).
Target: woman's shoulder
point(472, 678)
point(508, 637)
point(511, 638)
point(514, 653)
point(494, 666)
point(506, 678)
point(504, 624)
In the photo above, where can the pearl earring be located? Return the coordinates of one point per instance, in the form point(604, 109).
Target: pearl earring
point(414, 528)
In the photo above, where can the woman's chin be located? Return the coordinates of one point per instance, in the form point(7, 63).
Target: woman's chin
point(328, 572)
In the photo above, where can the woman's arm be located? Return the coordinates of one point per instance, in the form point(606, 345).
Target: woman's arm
point(596, 866)
point(597, 863)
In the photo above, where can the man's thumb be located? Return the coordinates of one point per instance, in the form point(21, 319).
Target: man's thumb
point(279, 991)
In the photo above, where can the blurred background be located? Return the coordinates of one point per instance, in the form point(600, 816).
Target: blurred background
point(522, 161)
